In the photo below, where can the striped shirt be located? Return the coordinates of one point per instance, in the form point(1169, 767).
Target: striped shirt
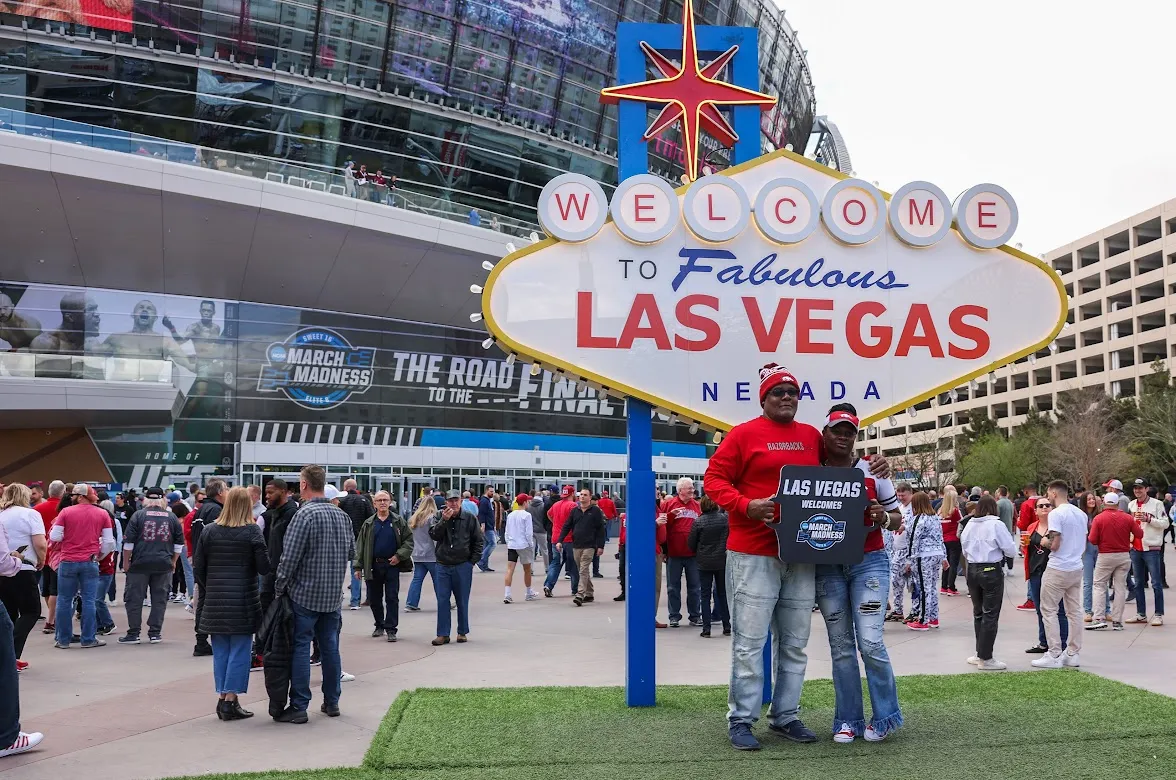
point(317, 552)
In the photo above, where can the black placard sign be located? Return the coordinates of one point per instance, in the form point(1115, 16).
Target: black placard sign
point(822, 514)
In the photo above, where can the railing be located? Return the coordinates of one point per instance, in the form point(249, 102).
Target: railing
point(256, 166)
point(30, 365)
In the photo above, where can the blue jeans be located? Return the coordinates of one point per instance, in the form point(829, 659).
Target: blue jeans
point(322, 627)
point(560, 560)
point(1143, 563)
point(101, 611)
point(674, 568)
point(853, 602)
point(766, 594)
point(419, 570)
point(1088, 560)
point(231, 657)
point(189, 580)
point(9, 695)
point(456, 581)
point(491, 543)
point(1035, 597)
point(356, 587)
point(76, 578)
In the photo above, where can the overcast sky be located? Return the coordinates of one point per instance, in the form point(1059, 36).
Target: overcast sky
point(1069, 106)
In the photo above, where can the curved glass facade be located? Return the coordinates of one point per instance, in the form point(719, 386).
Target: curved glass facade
point(476, 102)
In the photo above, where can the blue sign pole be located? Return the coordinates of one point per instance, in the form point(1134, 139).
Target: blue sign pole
point(640, 501)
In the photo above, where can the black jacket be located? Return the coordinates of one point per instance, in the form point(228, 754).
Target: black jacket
point(586, 527)
point(206, 515)
point(358, 507)
point(458, 539)
point(708, 540)
point(276, 644)
point(227, 563)
point(276, 522)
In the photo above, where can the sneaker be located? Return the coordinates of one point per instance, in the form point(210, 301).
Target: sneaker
point(619, 598)
point(912, 618)
point(95, 643)
point(873, 735)
point(954, 591)
point(345, 677)
point(546, 592)
point(598, 576)
point(1028, 606)
point(21, 665)
point(531, 596)
point(916, 625)
point(659, 624)
point(992, 665)
point(741, 737)
point(154, 638)
point(354, 607)
point(106, 630)
point(589, 599)
point(933, 623)
point(410, 608)
point(49, 628)
point(844, 735)
point(488, 570)
point(291, 715)
point(795, 731)
point(1038, 649)
point(696, 622)
point(579, 602)
point(944, 592)
point(1048, 661)
point(1098, 626)
point(1157, 620)
point(61, 645)
point(130, 639)
point(674, 624)
point(1070, 660)
point(974, 660)
point(316, 662)
point(24, 743)
point(727, 631)
point(201, 649)
point(189, 608)
point(507, 600)
point(1116, 626)
point(256, 664)
point(391, 637)
point(1088, 618)
point(1136, 619)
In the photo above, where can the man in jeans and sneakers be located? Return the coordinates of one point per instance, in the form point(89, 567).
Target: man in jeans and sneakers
point(84, 533)
point(586, 527)
point(1147, 558)
point(1065, 538)
point(318, 549)
point(764, 592)
point(151, 547)
point(1111, 532)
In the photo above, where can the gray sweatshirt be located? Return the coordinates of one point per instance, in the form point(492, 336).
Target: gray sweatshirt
point(423, 549)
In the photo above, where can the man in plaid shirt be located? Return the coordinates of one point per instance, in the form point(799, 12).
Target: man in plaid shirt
point(316, 557)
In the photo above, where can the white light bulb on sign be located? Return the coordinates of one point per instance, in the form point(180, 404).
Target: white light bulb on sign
point(1066, 326)
point(510, 359)
point(536, 369)
point(534, 237)
point(953, 395)
point(488, 343)
point(992, 377)
point(1053, 346)
point(1032, 358)
point(875, 431)
point(892, 420)
point(487, 265)
point(693, 428)
point(476, 289)
point(511, 248)
point(973, 385)
point(476, 317)
point(718, 437)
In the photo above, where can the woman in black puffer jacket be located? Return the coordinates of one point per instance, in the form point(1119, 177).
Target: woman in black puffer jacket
point(229, 558)
point(708, 540)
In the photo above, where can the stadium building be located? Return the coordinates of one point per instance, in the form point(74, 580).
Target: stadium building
point(191, 283)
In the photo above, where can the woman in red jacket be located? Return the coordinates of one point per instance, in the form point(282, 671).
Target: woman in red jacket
point(949, 516)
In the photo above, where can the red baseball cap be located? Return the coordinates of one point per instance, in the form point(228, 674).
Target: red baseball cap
point(566, 491)
point(838, 417)
point(772, 375)
point(522, 499)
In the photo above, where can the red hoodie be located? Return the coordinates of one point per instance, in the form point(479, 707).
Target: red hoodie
point(680, 517)
point(558, 514)
point(747, 466)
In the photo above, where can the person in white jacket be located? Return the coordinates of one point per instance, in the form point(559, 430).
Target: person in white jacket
point(520, 546)
point(1147, 559)
point(986, 544)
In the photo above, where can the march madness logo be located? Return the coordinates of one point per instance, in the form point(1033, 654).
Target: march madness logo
point(821, 532)
point(317, 369)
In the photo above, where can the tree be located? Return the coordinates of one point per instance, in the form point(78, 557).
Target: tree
point(925, 457)
point(980, 426)
point(1152, 432)
point(994, 460)
point(1086, 448)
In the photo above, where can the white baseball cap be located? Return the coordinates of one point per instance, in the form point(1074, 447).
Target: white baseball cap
point(331, 492)
point(1111, 499)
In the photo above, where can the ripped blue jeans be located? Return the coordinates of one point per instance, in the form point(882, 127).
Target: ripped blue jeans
point(853, 602)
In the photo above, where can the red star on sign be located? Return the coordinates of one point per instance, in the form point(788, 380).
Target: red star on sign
point(690, 94)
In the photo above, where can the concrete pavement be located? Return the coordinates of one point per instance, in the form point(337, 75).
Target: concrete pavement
point(147, 711)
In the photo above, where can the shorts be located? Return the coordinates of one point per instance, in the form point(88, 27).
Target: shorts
point(525, 556)
point(48, 582)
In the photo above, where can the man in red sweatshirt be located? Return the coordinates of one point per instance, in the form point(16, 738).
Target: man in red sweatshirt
point(681, 511)
point(1111, 530)
point(764, 592)
point(558, 514)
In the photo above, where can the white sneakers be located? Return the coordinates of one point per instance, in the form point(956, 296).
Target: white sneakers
point(844, 735)
point(24, 743)
point(875, 736)
point(974, 660)
point(992, 665)
point(1157, 620)
point(532, 595)
point(1048, 661)
point(345, 677)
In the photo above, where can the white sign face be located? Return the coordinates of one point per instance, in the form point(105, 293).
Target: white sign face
point(823, 283)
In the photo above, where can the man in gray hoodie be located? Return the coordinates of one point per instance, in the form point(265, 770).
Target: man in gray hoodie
point(541, 526)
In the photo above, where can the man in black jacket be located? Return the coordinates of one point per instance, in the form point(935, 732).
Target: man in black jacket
point(457, 535)
point(359, 508)
point(586, 525)
point(209, 511)
point(281, 509)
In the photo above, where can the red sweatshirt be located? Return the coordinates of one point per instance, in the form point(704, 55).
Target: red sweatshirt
point(558, 514)
point(951, 526)
point(1112, 530)
point(747, 466)
point(609, 507)
point(680, 517)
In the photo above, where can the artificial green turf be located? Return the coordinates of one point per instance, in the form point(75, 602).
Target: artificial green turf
point(1032, 725)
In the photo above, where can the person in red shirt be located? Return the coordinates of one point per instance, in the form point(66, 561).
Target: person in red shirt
point(764, 592)
point(607, 505)
point(949, 518)
point(84, 534)
point(680, 512)
point(1111, 531)
point(1027, 518)
point(48, 510)
point(853, 600)
point(558, 514)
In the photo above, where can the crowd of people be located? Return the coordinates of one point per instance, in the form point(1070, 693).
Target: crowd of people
point(267, 577)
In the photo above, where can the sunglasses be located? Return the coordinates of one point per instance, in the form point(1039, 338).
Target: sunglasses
point(784, 391)
point(1045, 506)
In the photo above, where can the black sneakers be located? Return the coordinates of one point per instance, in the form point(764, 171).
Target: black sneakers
point(129, 639)
point(291, 715)
point(201, 649)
